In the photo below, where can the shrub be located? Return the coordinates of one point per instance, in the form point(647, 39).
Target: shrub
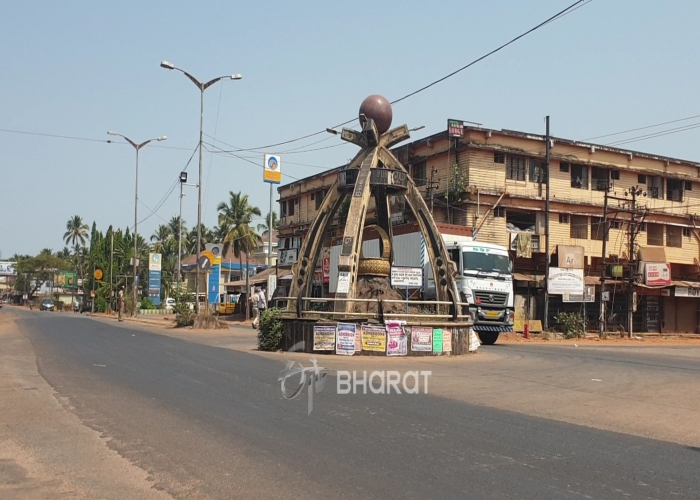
point(100, 304)
point(146, 304)
point(271, 329)
point(573, 325)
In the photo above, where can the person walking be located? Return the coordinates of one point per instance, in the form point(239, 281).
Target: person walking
point(261, 306)
point(120, 303)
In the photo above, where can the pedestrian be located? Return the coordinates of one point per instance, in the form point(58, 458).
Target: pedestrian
point(120, 303)
point(261, 306)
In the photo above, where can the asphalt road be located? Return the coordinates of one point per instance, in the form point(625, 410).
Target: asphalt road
point(207, 422)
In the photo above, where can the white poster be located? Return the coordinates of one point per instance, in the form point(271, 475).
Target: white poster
point(407, 277)
point(343, 282)
point(345, 340)
point(565, 281)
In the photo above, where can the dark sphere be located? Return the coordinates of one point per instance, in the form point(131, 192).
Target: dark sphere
point(377, 108)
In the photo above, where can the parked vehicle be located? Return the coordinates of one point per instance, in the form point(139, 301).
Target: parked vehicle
point(169, 304)
point(47, 305)
point(484, 277)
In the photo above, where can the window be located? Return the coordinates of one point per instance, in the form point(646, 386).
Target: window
point(320, 196)
point(688, 185)
point(563, 218)
point(686, 232)
point(600, 178)
point(563, 167)
point(499, 158)
point(454, 255)
point(655, 235)
point(579, 227)
point(674, 190)
point(521, 221)
point(579, 176)
point(418, 174)
point(283, 208)
point(655, 187)
point(515, 169)
point(641, 179)
point(538, 170)
point(598, 230)
point(674, 236)
point(643, 227)
point(291, 205)
point(499, 212)
point(616, 224)
point(615, 175)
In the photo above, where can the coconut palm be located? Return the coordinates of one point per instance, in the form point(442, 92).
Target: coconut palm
point(237, 215)
point(265, 226)
point(76, 231)
point(160, 239)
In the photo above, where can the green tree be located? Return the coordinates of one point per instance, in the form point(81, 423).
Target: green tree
point(33, 272)
point(264, 227)
point(76, 231)
point(237, 215)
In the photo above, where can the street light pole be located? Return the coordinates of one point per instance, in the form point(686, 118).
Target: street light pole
point(137, 147)
point(202, 87)
point(183, 182)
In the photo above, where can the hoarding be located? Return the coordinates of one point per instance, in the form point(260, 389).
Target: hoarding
point(657, 274)
point(8, 268)
point(273, 169)
point(565, 281)
point(406, 277)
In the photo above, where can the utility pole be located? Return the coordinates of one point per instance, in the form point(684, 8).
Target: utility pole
point(636, 219)
point(432, 185)
point(111, 265)
point(545, 323)
point(606, 229)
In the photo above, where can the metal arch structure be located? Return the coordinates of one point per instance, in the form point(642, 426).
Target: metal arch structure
point(374, 171)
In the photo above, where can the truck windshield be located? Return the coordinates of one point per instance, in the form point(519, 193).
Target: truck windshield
point(486, 262)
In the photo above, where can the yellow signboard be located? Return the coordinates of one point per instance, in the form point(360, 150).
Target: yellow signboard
point(98, 274)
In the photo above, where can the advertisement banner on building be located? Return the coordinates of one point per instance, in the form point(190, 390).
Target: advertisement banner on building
point(273, 169)
point(421, 338)
point(7, 269)
point(565, 281)
point(657, 274)
point(455, 128)
point(684, 291)
point(288, 256)
point(397, 344)
point(324, 338)
point(373, 338)
point(345, 339)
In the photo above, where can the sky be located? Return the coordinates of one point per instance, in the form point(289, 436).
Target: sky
point(77, 69)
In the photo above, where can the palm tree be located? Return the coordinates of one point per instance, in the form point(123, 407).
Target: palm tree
point(161, 237)
point(46, 251)
point(237, 215)
point(76, 231)
point(265, 226)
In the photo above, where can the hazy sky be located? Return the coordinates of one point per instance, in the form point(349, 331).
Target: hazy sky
point(79, 68)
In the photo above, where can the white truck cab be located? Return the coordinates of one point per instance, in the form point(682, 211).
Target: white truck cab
point(484, 281)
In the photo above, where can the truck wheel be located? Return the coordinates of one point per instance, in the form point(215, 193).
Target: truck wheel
point(488, 338)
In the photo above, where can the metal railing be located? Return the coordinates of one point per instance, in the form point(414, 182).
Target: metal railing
point(435, 308)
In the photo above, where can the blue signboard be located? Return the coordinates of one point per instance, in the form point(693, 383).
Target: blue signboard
point(154, 287)
point(213, 291)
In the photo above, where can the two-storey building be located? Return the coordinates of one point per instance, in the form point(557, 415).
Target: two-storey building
point(494, 183)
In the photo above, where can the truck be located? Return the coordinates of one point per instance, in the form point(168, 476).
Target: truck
point(484, 278)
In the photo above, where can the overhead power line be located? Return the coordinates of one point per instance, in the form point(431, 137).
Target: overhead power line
point(574, 6)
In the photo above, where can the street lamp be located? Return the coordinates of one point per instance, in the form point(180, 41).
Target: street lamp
point(183, 182)
point(202, 87)
point(137, 147)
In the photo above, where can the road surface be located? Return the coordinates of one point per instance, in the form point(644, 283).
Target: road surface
point(207, 422)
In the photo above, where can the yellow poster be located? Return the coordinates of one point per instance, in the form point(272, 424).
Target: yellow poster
point(373, 338)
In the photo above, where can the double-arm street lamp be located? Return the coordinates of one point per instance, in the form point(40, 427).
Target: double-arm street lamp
point(202, 87)
point(137, 147)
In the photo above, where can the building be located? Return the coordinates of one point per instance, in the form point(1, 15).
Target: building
point(493, 181)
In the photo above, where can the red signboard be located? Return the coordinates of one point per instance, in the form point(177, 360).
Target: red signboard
point(326, 269)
